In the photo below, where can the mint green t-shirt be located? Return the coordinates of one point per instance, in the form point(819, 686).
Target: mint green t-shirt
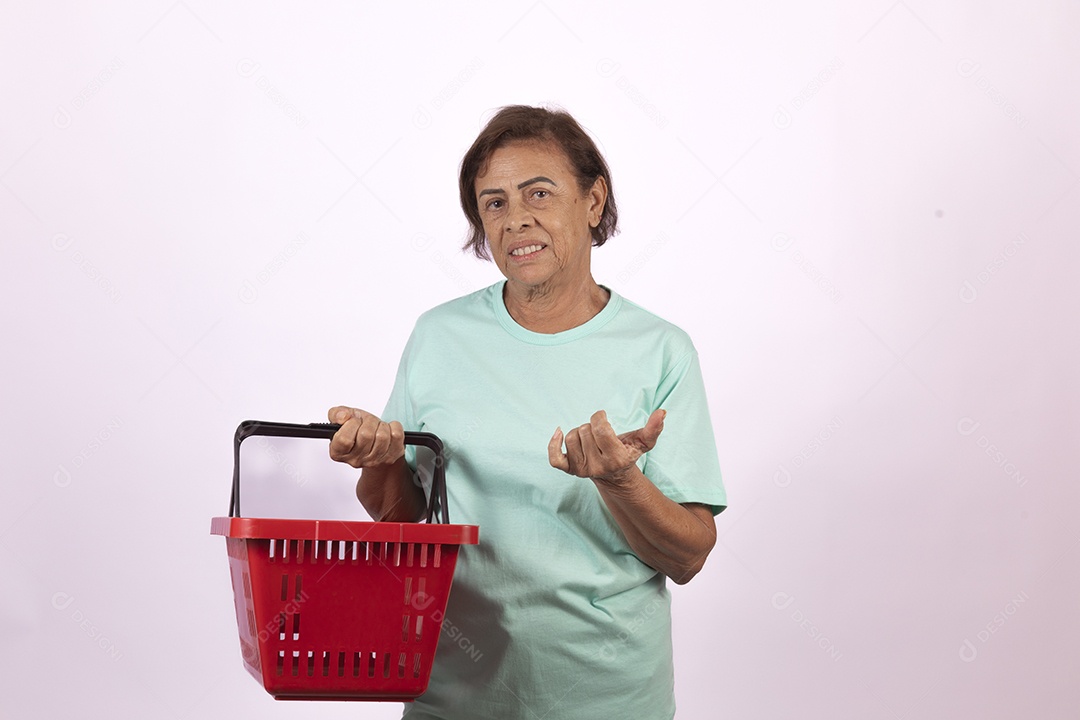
point(552, 615)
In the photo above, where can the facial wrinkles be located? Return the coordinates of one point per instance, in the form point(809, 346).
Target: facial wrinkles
point(551, 223)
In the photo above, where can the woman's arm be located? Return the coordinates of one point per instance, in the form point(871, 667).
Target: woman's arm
point(386, 488)
point(389, 493)
point(671, 538)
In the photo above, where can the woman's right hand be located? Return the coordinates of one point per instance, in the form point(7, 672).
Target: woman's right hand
point(364, 440)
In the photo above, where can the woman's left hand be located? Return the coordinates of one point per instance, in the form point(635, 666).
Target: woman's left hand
point(593, 450)
point(670, 537)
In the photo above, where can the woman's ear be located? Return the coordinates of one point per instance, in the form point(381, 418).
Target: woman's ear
point(597, 196)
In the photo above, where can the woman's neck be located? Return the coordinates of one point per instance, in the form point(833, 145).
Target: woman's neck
point(548, 310)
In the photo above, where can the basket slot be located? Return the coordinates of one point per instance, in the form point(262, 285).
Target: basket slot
point(416, 658)
point(423, 555)
point(371, 664)
point(401, 665)
point(280, 661)
point(405, 628)
point(341, 664)
point(397, 554)
point(284, 587)
point(326, 663)
point(281, 626)
point(386, 665)
point(356, 664)
point(438, 556)
point(409, 554)
point(311, 663)
point(251, 622)
point(247, 585)
point(296, 625)
point(408, 588)
point(295, 663)
point(299, 592)
point(419, 628)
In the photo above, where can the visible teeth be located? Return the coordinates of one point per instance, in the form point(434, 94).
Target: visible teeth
point(527, 250)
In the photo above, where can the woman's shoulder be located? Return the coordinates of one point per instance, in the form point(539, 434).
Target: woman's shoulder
point(460, 309)
point(651, 327)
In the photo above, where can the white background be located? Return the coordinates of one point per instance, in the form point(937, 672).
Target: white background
point(861, 212)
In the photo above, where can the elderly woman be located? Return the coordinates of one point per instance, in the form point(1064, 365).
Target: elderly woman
point(562, 610)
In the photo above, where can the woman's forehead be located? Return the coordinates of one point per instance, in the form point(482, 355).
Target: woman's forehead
point(525, 153)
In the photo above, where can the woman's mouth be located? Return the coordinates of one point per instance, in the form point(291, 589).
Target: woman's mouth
point(527, 250)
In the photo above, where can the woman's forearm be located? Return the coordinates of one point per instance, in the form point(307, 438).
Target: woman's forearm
point(671, 538)
point(389, 494)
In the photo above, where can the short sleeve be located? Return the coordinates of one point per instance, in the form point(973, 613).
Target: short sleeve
point(684, 463)
point(399, 405)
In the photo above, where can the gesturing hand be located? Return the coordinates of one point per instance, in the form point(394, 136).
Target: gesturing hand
point(593, 450)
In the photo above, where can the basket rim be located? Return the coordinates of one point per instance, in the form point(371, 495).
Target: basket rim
point(344, 530)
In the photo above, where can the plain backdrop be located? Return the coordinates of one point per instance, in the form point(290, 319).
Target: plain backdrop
point(864, 214)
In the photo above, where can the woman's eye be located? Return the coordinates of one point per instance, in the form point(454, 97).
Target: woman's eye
point(493, 204)
point(540, 194)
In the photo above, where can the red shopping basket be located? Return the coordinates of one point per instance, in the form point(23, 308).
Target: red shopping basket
point(340, 610)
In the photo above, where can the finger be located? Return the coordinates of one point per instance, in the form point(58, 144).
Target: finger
point(604, 453)
point(366, 427)
point(653, 427)
point(603, 435)
point(397, 440)
point(341, 445)
point(593, 458)
point(380, 444)
point(555, 454)
point(339, 414)
point(575, 454)
point(644, 438)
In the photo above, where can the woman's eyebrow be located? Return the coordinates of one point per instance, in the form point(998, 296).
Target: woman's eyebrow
point(538, 178)
point(530, 181)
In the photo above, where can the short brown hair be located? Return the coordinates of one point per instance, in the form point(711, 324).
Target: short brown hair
point(516, 123)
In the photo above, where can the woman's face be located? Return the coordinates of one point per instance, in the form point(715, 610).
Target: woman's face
point(536, 219)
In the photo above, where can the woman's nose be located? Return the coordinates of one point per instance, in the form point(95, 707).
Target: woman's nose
point(518, 217)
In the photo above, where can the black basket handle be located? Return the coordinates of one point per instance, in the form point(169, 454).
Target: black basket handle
point(437, 503)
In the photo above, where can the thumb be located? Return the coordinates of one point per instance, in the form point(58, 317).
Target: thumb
point(644, 438)
point(341, 414)
point(653, 427)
